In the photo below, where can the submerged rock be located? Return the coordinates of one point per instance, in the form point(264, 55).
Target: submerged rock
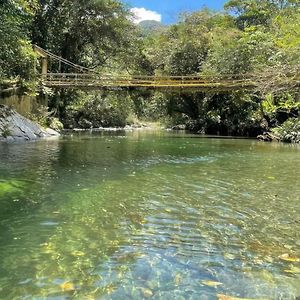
point(147, 293)
point(14, 127)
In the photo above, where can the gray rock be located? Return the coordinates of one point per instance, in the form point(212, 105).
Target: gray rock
point(14, 127)
point(179, 127)
point(51, 132)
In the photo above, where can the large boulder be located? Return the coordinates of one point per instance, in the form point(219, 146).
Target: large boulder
point(14, 127)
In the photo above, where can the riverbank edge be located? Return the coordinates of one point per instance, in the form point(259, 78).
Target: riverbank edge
point(267, 137)
point(16, 128)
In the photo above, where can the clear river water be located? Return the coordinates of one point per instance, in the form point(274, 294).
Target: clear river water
point(149, 215)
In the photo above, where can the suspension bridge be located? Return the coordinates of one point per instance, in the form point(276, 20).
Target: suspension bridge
point(85, 79)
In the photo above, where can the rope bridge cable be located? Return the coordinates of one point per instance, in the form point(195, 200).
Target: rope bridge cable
point(82, 68)
point(88, 78)
point(63, 60)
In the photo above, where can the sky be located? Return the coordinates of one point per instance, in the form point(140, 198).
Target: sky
point(166, 11)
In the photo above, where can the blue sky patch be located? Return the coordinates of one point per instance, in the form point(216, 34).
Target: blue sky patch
point(167, 11)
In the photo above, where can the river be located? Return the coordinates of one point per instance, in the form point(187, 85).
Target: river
point(149, 215)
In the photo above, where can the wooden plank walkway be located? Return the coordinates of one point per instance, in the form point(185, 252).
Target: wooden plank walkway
point(95, 81)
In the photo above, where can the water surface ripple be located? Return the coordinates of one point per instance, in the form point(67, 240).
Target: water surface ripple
point(149, 215)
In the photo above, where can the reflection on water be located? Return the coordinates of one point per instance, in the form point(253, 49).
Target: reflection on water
point(149, 215)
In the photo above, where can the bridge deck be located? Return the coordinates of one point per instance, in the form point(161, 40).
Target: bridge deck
point(94, 81)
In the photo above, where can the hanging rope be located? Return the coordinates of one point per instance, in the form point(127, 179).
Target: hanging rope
point(237, 77)
point(64, 61)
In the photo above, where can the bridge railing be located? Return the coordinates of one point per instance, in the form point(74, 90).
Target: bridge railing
point(93, 80)
point(87, 78)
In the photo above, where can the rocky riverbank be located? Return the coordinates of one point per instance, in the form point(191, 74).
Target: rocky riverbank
point(16, 128)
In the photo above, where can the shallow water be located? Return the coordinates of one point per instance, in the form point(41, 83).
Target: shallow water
point(151, 215)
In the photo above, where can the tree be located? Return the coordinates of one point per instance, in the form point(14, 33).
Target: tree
point(87, 32)
point(16, 55)
point(257, 12)
point(236, 53)
point(182, 48)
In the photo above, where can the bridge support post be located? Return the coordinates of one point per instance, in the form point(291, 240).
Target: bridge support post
point(44, 59)
point(44, 66)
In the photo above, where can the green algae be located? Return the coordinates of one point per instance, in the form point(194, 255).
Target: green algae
point(11, 187)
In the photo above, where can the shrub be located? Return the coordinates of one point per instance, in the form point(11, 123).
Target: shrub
point(99, 110)
point(6, 132)
point(289, 131)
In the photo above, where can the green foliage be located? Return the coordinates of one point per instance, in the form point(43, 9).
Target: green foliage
point(289, 131)
point(55, 124)
point(285, 102)
point(246, 52)
point(95, 34)
point(234, 114)
point(16, 55)
point(41, 116)
point(286, 28)
point(260, 38)
point(46, 118)
point(88, 32)
point(258, 12)
point(109, 109)
point(182, 49)
point(149, 106)
point(6, 132)
point(268, 105)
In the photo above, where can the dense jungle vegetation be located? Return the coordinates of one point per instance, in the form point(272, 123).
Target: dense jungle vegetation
point(259, 37)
